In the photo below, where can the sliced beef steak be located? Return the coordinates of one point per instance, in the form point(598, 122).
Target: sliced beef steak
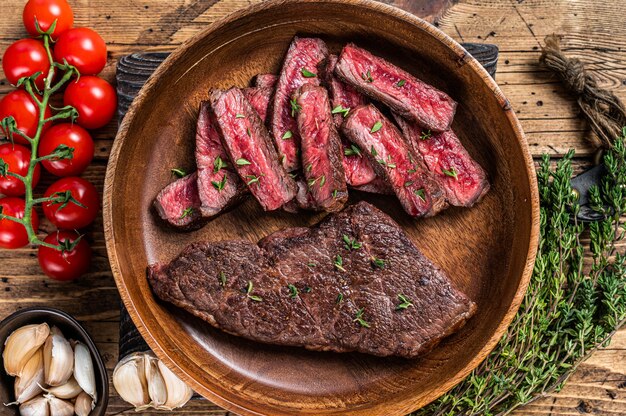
point(377, 186)
point(304, 199)
point(322, 152)
point(461, 177)
point(265, 80)
point(250, 149)
point(358, 168)
point(259, 98)
point(355, 282)
point(301, 66)
point(179, 204)
point(394, 161)
point(396, 88)
point(219, 186)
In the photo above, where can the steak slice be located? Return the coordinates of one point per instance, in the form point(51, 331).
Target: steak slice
point(377, 186)
point(265, 80)
point(303, 201)
point(250, 149)
point(300, 67)
point(394, 161)
point(259, 98)
point(461, 177)
point(179, 204)
point(219, 186)
point(358, 168)
point(396, 88)
point(304, 287)
point(322, 152)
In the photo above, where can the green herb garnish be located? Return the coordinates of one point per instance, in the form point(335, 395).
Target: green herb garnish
point(223, 279)
point(421, 194)
point(219, 185)
point(426, 135)
point(293, 291)
point(242, 162)
point(179, 172)
point(339, 263)
point(249, 293)
point(452, 173)
point(240, 116)
point(408, 183)
point(351, 243)
point(288, 135)
point(373, 151)
point(219, 164)
point(335, 193)
point(339, 298)
point(380, 263)
point(295, 108)
point(322, 180)
point(405, 302)
point(359, 318)
point(377, 126)
point(252, 179)
point(186, 213)
point(401, 83)
point(367, 77)
point(308, 74)
point(352, 150)
point(340, 110)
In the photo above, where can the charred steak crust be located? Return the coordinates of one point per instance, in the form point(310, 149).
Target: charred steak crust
point(178, 204)
point(292, 290)
point(394, 161)
point(461, 177)
point(402, 92)
point(250, 149)
point(219, 187)
point(301, 66)
point(321, 149)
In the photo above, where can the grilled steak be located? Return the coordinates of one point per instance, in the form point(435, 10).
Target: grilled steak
point(396, 88)
point(250, 149)
point(321, 148)
point(259, 98)
point(300, 67)
point(355, 282)
point(219, 186)
point(461, 177)
point(265, 80)
point(179, 204)
point(377, 186)
point(394, 161)
point(359, 170)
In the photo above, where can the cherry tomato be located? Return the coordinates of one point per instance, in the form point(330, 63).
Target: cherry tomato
point(71, 135)
point(83, 48)
point(20, 105)
point(94, 98)
point(68, 263)
point(68, 214)
point(46, 12)
point(25, 58)
point(18, 159)
point(12, 234)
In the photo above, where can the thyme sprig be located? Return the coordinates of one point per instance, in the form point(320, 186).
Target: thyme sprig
point(573, 305)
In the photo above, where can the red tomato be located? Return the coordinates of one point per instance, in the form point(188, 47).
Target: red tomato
point(12, 234)
point(71, 135)
point(20, 105)
point(72, 215)
point(24, 58)
point(46, 12)
point(83, 48)
point(94, 98)
point(67, 263)
point(18, 159)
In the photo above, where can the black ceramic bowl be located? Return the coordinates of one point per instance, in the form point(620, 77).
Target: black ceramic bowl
point(71, 329)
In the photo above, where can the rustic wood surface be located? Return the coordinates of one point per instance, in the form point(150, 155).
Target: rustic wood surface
point(593, 31)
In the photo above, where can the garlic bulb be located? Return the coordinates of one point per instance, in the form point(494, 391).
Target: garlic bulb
point(84, 404)
point(68, 390)
point(20, 346)
point(84, 370)
point(35, 407)
point(58, 358)
point(178, 393)
point(129, 379)
point(28, 385)
point(144, 381)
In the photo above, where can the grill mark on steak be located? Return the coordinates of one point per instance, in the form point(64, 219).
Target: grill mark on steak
point(259, 98)
point(443, 152)
point(208, 149)
point(250, 149)
point(402, 92)
point(321, 149)
point(265, 80)
point(315, 318)
point(303, 53)
point(179, 204)
point(394, 161)
point(358, 169)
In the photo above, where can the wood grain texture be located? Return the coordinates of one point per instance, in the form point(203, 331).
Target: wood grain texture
point(547, 113)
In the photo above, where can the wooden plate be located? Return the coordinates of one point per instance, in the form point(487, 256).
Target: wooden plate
point(488, 250)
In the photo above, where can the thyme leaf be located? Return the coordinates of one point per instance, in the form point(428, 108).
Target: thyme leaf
point(352, 150)
point(308, 74)
point(341, 110)
point(377, 126)
point(288, 135)
point(249, 292)
point(219, 164)
point(405, 302)
point(351, 243)
point(242, 162)
point(219, 185)
point(293, 291)
point(359, 318)
point(179, 172)
point(451, 172)
point(339, 263)
point(187, 212)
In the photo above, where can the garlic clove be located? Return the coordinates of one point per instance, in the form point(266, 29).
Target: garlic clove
point(156, 385)
point(68, 390)
point(84, 404)
point(178, 393)
point(20, 346)
point(58, 358)
point(84, 370)
point(35, 407)
point(28, 385)
point(129, 379)
point(59, 407)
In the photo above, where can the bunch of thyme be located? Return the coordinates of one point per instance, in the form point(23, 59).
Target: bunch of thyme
point(573, 305)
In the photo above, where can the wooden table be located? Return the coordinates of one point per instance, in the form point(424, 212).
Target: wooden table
point(594, 32)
